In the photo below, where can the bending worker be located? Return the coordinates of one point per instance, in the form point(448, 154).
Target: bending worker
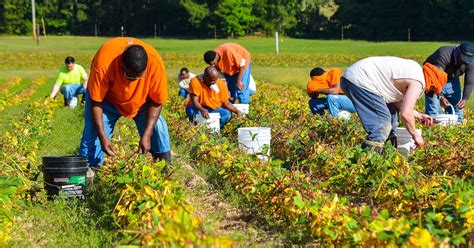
point(327, 83)
point(71, 82)
point(455, 61)
point(128, 79)
point(234, 61)
point(381, 87)
point(209, 94)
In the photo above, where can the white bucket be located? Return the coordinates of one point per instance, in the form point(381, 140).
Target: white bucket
point(253, 139)
point(447, 119)
point(405, 142)
point(213, 122)
point(252, 84)
point(343, 114)
point(73, 102)
point(242, 107)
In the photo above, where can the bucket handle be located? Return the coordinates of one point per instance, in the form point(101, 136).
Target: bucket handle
point(59, 187)
point(452, 108)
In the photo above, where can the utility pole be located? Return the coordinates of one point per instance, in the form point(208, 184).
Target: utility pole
point(33, 18)
point(409, 35)
point(277, 50)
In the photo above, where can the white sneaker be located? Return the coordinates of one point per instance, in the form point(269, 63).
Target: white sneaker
point(73, 102)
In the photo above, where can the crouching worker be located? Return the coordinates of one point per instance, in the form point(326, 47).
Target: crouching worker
point(71, 82)
point(184, 78)
point(128, 79)
point(381, 87)
point(209, 94)
point(327, 83)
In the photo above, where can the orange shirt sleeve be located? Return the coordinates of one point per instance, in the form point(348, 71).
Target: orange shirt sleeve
point(159, 83)
point(195, 87)
point(98, 84)
point(334, 77)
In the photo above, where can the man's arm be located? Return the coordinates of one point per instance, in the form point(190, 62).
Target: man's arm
point(154, 110)
point(196, 104)
point(84, 84)
point(232, 108)
point(55, 91)
point(97, 112)
point(468, 85)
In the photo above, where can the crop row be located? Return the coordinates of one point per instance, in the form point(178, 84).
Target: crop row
point(19, 159)
point(12, 82)
point(320, 184)
point(12, 99)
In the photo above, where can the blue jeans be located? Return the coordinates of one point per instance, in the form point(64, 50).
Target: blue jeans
point(242, 95)
point(318, 105)
point(379, 119)
point(192, 111)
point(71, 90)
point(334, 103)
point(183, 93)
point(452, 91)
point(90, 143)
point(337, 103)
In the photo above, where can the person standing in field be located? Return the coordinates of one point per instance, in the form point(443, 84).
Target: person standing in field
point(455, 61)
point(71, 82)
point(128, 78)
point(209, 94)
point(184, 79)
point(234, 61)
point(381, 87)
point(327, 83)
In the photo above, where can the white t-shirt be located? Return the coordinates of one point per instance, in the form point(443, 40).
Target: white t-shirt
point(377, 74)
point(184, 82)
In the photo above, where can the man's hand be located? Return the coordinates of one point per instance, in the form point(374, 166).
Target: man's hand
point(444, 102)
point(240, 85)
point(144, 145)
point(426, 119)
point(205, 113)
point(462, 104)
point(419, 142)
point(240, 113)
point(108, 147)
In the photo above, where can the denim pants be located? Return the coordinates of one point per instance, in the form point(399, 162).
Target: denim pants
point(71, 90)
point(452, 91)
point(183, 93)
point(379, 119)
point(90, 143)
point(192, 111)
point(242, 95)
point(334, 103)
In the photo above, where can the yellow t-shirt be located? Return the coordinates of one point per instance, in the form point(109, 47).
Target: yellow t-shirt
point(76, 76)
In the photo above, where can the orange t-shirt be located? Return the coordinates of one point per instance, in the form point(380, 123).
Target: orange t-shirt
point(231, 55)
point(107, 80)
point(206, 96)
point(328, 79)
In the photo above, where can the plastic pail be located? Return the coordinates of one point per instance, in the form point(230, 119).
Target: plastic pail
point(405, 142)
point(66, 175)
point(253, 139)
point(344, 115)
point(447, 119)
point(242, 107)
point(214, 121)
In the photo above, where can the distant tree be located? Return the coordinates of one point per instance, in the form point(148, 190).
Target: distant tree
point(235, 17)
point(15, 17)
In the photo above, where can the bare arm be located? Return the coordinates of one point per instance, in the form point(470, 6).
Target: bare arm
point(154, 111)
point(97, 112)
point(232, 108)
point(55, 91)
point(204, 112)
point(84, 84)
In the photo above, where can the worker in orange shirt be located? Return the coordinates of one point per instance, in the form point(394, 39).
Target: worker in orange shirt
point(234, 61)
point(127, 78)
point(209, 94)
point(327, 83)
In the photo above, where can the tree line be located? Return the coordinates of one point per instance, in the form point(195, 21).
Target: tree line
point(323, 19)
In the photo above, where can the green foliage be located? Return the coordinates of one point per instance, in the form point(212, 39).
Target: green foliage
point(234, 17)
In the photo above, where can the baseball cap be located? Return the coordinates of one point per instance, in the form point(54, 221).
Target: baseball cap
point(467, 52)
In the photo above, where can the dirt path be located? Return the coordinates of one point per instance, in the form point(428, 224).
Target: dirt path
point(220, 216)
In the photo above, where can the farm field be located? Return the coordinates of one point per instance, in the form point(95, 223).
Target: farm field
point(318, 187)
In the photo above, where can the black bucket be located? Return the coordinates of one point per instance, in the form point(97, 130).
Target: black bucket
point(66, 175)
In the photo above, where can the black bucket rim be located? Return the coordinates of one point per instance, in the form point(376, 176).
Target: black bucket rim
point(64, 158)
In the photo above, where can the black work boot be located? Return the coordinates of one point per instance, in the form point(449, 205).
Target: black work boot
point(372, 145)
point(393, 140)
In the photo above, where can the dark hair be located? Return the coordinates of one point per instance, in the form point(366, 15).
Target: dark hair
point(318, 71)
point(209, 56)
point(185, 69)
point(135, 59)
point(69, 60)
